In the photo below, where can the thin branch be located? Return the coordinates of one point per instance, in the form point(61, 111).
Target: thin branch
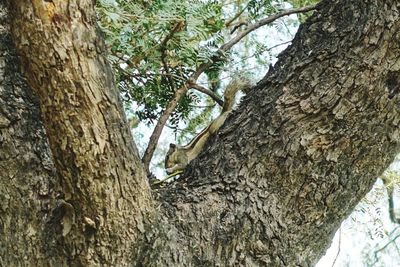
point(393, 240)
point(266, 50)
point(390, 190)
point(263, 22)
point(339, 244)
point(201, 106)
point(129, 75)
point(155, 136)
point(178, 26)
point(167, 178)
point(236, 16)
point(210, 93)
point(163, 47)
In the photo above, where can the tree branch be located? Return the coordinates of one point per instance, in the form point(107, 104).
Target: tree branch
point(339, 245)
point(178, 26)
point(148, 154)
point(390, 190)
point(208, 92)
point(235, 17)
point(393, 240)
point(263, 22)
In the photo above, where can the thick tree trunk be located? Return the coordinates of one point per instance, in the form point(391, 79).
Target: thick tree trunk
point(100, 210)
point(302, 149)
point(270, 189)
point(28, 184)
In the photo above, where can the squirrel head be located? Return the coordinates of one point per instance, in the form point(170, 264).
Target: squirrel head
point(169, 158)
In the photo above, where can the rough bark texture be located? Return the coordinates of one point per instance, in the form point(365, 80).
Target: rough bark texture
point(28, 184)
point(100, 211)
point(269, 190)
point(304, 147)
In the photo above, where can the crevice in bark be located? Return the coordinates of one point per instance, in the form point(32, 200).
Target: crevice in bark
point(28, 184)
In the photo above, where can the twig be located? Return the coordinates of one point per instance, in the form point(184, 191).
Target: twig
point(179, 93)
point(339, 244)
point(263, 22)
point(210, 93)
point(266, 50)
point(178, 26)
point(237, 15)
point(390, 190)
point(168, 177)
point(200, 106)
point(393, 240)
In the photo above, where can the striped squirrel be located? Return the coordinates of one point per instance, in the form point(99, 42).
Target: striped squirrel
point(178, 157)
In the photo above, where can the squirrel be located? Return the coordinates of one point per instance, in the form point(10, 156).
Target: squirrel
point(178, 157)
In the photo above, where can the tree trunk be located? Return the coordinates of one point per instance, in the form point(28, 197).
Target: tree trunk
point(270, 189)
point(99, 213)
point(28, 184)
point(305, 145)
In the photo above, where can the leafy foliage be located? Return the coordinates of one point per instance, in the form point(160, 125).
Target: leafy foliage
point(155, 45)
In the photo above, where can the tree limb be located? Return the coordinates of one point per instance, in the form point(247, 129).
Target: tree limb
point(178, 26)
point(263, 22)
point(208, 92)
point(236, 16)
point(390, 190)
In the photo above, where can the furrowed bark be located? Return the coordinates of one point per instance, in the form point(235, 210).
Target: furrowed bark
point(305, 145)
point(28, 184)
point(105, 197)
point(269, 190)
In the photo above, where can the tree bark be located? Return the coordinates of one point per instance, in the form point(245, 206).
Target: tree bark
point(28, 184)
point(305, 145)
point(271, 187)
point(101, 208)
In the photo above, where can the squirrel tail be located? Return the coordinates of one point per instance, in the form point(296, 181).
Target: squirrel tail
point(237, 84)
